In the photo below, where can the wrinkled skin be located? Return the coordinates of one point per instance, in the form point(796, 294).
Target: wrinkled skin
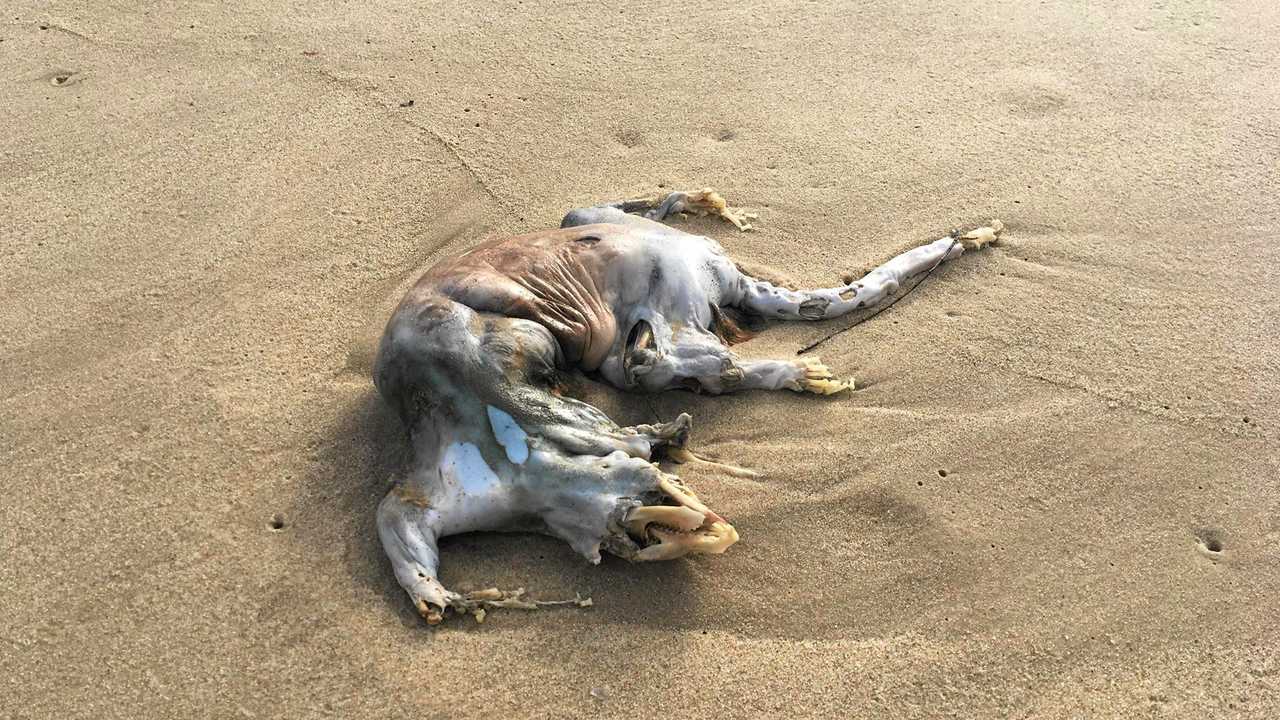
point(471, 356)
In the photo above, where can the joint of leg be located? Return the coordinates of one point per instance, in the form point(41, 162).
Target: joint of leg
point(814, 308)
point(731, 375)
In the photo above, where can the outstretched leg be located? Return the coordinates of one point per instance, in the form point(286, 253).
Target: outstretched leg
point(767, 299)
point(409, 528)
point(658, 208)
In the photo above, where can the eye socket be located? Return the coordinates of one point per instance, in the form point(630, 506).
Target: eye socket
point(640, 337)
point(637, 351)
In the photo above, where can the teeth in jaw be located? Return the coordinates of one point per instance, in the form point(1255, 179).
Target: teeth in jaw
point(681, 519)
point(661, 551)
point(690, 527)
point(673, 544)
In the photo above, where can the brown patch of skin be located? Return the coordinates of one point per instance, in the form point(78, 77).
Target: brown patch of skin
point(555, 278)
point(411, 496)
point(725, 328)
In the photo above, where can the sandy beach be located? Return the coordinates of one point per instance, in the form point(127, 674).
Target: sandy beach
point(1054, 494)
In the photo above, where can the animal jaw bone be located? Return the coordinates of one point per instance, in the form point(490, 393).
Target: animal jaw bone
point(675, 531)
point(678, 518)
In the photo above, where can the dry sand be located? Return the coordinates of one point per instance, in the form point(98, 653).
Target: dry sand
point(206, 222)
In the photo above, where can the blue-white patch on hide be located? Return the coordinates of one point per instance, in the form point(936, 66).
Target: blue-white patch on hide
point(463, 464)
point(510, 435)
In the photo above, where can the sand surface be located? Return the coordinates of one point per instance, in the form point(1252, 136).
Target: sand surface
point(207, 212)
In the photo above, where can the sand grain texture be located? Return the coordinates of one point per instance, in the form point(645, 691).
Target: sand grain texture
point(206, 214)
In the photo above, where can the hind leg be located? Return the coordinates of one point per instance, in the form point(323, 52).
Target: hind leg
point(657, 208)
point(766, 299)
point(409, 529)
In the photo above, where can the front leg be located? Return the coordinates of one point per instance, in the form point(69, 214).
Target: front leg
point(660, 207)
point(701, 202)
point(802, 375)
point(697, 360)
point(409, 527)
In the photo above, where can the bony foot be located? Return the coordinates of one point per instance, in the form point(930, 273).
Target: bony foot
point(819, 380)
point(479, 602)
point(979, 238)
point(432, 600)
point(709, 202)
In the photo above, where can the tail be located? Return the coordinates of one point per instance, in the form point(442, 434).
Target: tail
point(765, 298)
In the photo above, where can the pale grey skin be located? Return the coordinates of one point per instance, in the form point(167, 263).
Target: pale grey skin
point(497, 448)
